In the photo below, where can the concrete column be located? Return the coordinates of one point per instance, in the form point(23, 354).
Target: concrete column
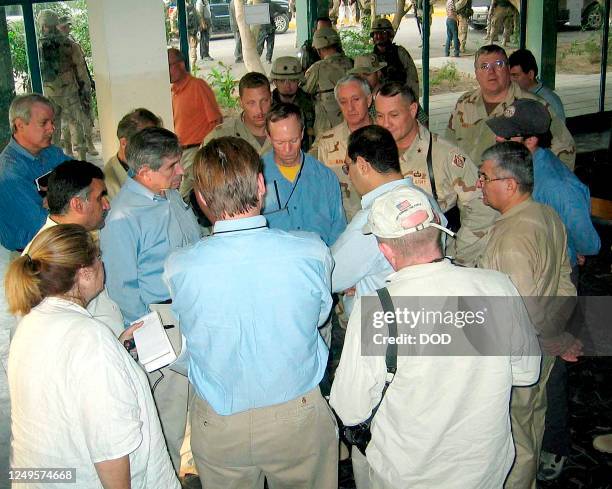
point(306, 13)
point(542, 37)
point(128, 42)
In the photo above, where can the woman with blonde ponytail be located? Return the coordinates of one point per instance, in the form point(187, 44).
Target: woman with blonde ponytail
point(78, 398)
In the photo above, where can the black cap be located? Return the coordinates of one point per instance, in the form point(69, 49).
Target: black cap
point(525, 117)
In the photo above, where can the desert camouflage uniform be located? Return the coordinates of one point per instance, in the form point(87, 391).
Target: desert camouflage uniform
point(467, 127)
point(455, 177)
point(321, 79)
point(63, 73)
point(464, 9)
point(330, 149)
point(502, 19)
point(233, 126)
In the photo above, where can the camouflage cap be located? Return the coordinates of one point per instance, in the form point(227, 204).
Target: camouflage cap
point(286, 68)
point(325, 36)
point(367, 63)
point(48, 17)
point(382, 25)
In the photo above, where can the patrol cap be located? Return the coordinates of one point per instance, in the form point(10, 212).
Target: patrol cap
point(401, 211)
point(48, 17)
point(367, 63)
point(286, 68)
point(525, 117)
point(382, 25)
point(325, 36)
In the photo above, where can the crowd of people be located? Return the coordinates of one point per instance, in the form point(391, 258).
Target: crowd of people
point(274, 234)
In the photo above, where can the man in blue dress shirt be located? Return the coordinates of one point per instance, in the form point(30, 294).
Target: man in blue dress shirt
point(250, 300)
point(148, 220)
point(28, 155)
point(528, 122)
point(302, 194)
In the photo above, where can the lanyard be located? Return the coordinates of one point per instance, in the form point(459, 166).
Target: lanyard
point(286, 206)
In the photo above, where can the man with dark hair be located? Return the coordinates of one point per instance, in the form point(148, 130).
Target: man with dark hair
point(77, 195)
point(528, 242)
point(446, 414)
point(302, 194)
point(438, 167)
point(194, 110)
point(354, 98)
point(322, 76)
point(255, 363)
point(250, 125)
point(149, 220)
point(524, 71)
point(116, 168)
point(497, 91)
point(28, 156)
point(372, 164)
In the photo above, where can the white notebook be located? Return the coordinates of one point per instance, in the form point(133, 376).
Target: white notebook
point(152, 343)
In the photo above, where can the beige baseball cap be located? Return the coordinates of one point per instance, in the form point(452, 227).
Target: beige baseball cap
point(401, 211)
point(325, 36)
point(287, 68)
point(367, 63)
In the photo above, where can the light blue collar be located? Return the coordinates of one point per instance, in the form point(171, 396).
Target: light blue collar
point(368, 199)
point(243, 224)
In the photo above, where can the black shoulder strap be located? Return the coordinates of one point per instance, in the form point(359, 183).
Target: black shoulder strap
point(391, 356)
point(432, 179)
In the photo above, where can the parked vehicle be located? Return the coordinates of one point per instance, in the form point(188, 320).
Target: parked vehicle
point(219, 10)
point(591, 14)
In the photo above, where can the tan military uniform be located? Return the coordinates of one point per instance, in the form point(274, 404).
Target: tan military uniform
point(63, 89)
point(321, 79)
point(330, 148)
point(467, 127)
point(529, 244)
point(462, 24)
point(455, 177)
point(502, 20)
point(114, 176)
point(233, 126)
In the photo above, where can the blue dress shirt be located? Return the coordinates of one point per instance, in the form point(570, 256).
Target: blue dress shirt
point(21, 210)
point(358, 261)
point(555, 185)
point(140, 231)
point(551, 97)
point(250, 300)
point(312, 202)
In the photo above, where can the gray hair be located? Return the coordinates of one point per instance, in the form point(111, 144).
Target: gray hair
point(345, 80)
point(150, 146)
point(514, 161)
point(21, 108)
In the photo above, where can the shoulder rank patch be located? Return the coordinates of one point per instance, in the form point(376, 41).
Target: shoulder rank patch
point(459, 160)
point(327, 136)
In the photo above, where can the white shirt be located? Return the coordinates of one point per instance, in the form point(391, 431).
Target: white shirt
point(444, 421)
point(79, 398)
point(101, 307)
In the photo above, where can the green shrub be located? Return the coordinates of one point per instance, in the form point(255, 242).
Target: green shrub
point(223, 83)
point(355, 41)
point(448, 72)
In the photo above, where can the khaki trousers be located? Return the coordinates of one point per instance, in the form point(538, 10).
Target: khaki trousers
point(187, 163)
point(527, 414)
point(462, 23)
point(294, 445)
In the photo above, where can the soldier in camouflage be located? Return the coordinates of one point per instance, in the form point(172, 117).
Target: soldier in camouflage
point(354, 98)
point(451, 179)
point(497, 91)
point(64, 76)
point(400, 65)
point(322, 76)
point(502, 20)
point(286, 75)
point(464, 12)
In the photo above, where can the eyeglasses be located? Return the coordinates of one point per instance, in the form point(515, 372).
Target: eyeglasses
point(345, 168)
point(485, 179)
point(497, 65)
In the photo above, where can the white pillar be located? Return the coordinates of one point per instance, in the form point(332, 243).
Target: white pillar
point(128, 42)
